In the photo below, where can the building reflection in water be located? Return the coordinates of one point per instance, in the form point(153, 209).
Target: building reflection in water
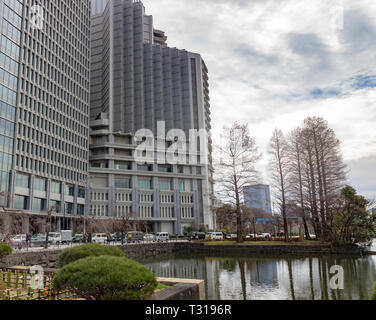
point(273, 278)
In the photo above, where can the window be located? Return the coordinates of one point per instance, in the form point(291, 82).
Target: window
point(40, 184)
point(144, 183)
point(165, 168)
point(69, 190)
point(165, 185)
point(181, 186)
point(20, 202)
point(22, 181)
point(81, 209)
point(145, 167)
point(68, 208)
point(81, 193)
point(123, 182)
point(55, 187)
point(39, 205)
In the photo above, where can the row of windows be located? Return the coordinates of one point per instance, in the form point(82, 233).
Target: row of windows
point(58, 68)
point(6, 144)
point(186, 212)
point(7, 111)
point(122, 211)
point(8, 64)
point(11, 16)
point(8, 96)
point(34, 135)
point(10, 48)
point(55, 126)
point(11, 32)
point(167, 212)
point(48, 169)
point(15, 5)
point(146, 212)
point(8, 79)
point(6, 161)
point(40, 184)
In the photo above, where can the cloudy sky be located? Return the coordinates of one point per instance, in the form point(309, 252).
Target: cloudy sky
point(274, 62)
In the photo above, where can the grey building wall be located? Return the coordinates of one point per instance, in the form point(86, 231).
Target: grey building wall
point(50, 123)
point(136, 81)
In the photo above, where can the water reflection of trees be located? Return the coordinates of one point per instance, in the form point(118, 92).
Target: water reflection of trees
point(289, 278)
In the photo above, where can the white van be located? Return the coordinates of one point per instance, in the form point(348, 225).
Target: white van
point(162, 237)
point(215, 236)
point(100, 238)
point(54, 237)
point(18, 239)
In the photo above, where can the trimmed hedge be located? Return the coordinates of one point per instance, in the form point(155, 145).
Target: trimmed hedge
point(5, 249)
point(70, 255)
point(106, 278)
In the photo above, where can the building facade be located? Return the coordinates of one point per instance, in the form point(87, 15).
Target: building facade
point(258, 197)
point(44, 106)
point(138, 82)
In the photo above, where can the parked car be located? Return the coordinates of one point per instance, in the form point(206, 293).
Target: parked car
point(38, 240)
point(116, 237)
point(196, 236)
point(231, 236)
point(18, 240)
point(162, 237)
point(149, 238)
point(100, 238)
point(259, 236)
point(78, 238)
point(134, 236)
point(215, 236)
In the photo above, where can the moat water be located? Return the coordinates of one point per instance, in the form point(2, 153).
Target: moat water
point(273, 278)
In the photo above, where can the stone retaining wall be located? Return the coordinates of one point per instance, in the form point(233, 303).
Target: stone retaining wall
point(48, 259)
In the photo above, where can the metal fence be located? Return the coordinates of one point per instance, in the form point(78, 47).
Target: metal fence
point(17, 284)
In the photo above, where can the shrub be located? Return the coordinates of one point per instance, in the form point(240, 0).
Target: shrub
point(373, 297)
point(106, 278)
point(5, 249)
point(87, 250)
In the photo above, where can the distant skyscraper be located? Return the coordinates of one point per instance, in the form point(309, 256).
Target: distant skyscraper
point(44, 105)
point(138, 81)
point(258, 197)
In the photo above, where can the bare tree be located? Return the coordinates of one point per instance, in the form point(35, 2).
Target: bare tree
point(236, 168)
point(279, 173)
point(296, 177)
point(328, 172)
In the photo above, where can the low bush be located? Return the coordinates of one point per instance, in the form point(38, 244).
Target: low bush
point(5, 250)
point(373, 297)
point(106, 278)
point(70, 255)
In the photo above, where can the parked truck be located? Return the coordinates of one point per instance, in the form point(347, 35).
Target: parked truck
point(66, 236)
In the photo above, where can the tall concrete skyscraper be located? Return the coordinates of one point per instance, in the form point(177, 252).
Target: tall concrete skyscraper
point(44, 106)
point(138, 81)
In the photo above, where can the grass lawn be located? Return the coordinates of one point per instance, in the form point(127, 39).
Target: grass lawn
point(161, 286)
point(264, 243)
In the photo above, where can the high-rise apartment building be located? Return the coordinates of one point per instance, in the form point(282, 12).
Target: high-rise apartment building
point(258, 197)
point(44, 106)
point(138, 81)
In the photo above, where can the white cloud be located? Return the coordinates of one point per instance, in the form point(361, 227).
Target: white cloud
point(269, 59)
